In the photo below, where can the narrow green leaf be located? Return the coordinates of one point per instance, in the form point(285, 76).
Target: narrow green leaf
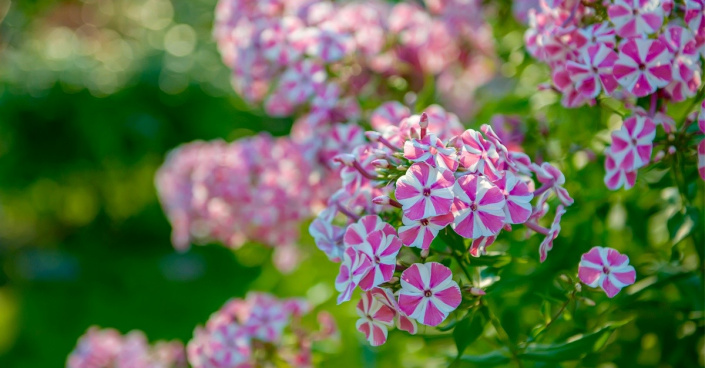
point(468, 330)
point(495, 358)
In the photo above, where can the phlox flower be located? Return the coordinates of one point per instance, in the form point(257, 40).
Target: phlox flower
point(425, 191)
point(551, 176)
point(388, 114)
point(479, 245)
point(441, 122)
point(615, 174)
point(301, 80)
point(402, 321)
point(643, 66)
point(428, 293)
point(432, 151)
point(328, 237)
point(354, 266)
point(606, 268)
point(382, 250)
point(223, 347)
point(633, 142)
point(477, 155)
point(595, 34)
point(420, 233)
point(594, 71)
point(267, 318)
point(342, 138)
point(517, 196)
point(478, 208)
point(356, 233)
point(571, 97)
point(635, 18)
point(701, 159)
point(276, 40)
point(330, 45)
point(375, 317)
point(547, 243)
point(686, 59)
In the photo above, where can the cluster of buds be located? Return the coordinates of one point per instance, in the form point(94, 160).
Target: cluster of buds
point(646, 51)
point(258, 331)
point(322, 56)
point(107, 348)
point(413, 181)
point(257, 189)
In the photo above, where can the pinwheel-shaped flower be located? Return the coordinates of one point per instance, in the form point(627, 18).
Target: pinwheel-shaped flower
point(598, 33)
point(420, 233)
point(329, 45)
point(402, 321)
point(478, 208)
point(551, 176)
point(356, 233)
point(428, 293)
point(432, 151)
point(375, 317)
point(328, 237)
point(606, 268)
point(594, 71)
point(547, 243)
point(643, 66)
point(635, 18)
point(382, 250)
point(425, 191)
point(276, 40)
point(267, 319)
point(632, 144)
point(516, 194)
point(354, 266)
point(342, 138)
point(300, 81)
point(479, 245)
point(615, 174)
point(477, 154)
point(389, 114)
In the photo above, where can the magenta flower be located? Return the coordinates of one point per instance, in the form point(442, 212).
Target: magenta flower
point(428, 293)
point(594, 72)
point(432, 151)
point(633, 143)
point(425, 191)
point(388, 114)
point(375, 317)
point(354, 266)
point(643, 66)
point(342, 138)
point(477, 154)
point(517, 196)
point(598, 33)
point(615, 174)
point(606, 268)
point(547, 243)
point(267, 317)
point(356, 233)
point(329, 45)
point(686, 59)
point(478, 208)
point(635, 18)
point(276, 40)
point(328, 237)
point(382, 250)
point(301, 80)
point(442, 123)
point(420, 233)
point(479, 245)
point(550, 175)
point(402, 321)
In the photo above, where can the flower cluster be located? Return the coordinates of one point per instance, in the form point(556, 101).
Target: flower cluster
point(256, 331)
point(418, 177)
point(628, 50)
point(107, 348)
point(257, 189)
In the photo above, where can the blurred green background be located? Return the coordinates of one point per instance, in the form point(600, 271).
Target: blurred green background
point(93, 94)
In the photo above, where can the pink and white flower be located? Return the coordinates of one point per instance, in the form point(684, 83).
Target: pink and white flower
point(301, 80)
point(356, 233)
point(551, 176)
point(268, 319)
point(479, 245)
point(428, 293)
point(420, 233)
point(547, 243)
point(643, 66)
point(615, 174)
point(606, 268)
point(517, 196)
point(374, 319)
point(402, 321)
point(594, 72)
point(633, 142)
point(354, 266)
point(425, 191)
point(382, 250)
point(478, 208)
point(598, 33)
point(276, 40)
point(328, 237)
point(388, 114)
point(477, 154)
point(432, 151)
point(635, 18)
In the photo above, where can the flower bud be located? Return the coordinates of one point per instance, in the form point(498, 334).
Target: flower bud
point(671, 150)
point(477, 291)
point(423, 121)
point(373, 136)
point(425, 252)
point(659, 156)
point(578, 287)
point(381, 200)
point(380, 163)
point(345, 159)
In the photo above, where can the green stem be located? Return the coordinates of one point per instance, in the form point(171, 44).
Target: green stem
point(555, 317)
point(501, 333)
point(460, 261)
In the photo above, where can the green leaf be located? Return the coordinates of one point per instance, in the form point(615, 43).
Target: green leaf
point(682, 224)
point(448, 238)
point(495, 358)
point(572, 350)
point(495, 260)
point(468, 330)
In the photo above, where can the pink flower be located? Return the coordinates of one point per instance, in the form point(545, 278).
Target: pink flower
point(432, 151)
point(428, 293)
point(425, 192)
point(633, 143)
point(328, 237)
point(547, 243)
point(635, 18)
point(477, 154)
point(420, 233)
point(301, 80)
point(551, 176)
point(356, 233)
point(517, 196)
point(594, 72)
point(478, 208)
point(598, 33)
point(267, 317)
point(382, 250)
point(276, 40)
point(388, 114)
point(615, 174)
point(402, 321)
point(329, 45)
point(354, 266)
point(342, 138)
point(686, 59)
point(479, 245)
point(643, 66)
point(607, 268)
point(375, 317)
point(442, 123)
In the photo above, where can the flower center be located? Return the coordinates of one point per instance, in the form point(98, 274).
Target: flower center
point(605, 270)
point(642, 67)
point(634, 141)
point(377, 259)
point(426, 192)
point(424, 222)
point(473, 207)
point(432, 150)
point(427, 293)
